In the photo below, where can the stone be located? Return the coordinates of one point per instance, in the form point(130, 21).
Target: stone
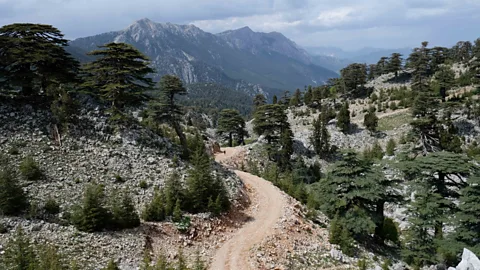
point(469, 261)
point(337, 254)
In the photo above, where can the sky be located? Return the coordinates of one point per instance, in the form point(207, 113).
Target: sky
point(347, 24)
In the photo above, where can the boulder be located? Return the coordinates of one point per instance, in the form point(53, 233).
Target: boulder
point(469, 261)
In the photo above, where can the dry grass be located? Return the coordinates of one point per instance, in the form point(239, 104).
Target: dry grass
point(393, 121)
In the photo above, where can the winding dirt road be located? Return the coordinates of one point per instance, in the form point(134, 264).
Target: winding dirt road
point(267, 203)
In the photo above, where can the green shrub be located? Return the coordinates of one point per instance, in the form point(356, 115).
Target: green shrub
point(177, 212)
point(13, 200)
point(30, 169)
point(155, 210)
point(390, 151)
point(386, 264)
point(143, 184)
point(362, 264)
point(184, 224)
point(119, 179)
point(91, 215)
point(124, 215)
point(51, 206)
point(112, 265)
point(13, 151)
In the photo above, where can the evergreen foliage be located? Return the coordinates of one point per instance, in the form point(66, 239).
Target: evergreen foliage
point(357, 193)
point(320, 138)
point(19, 253)
point(91, 215)
point(124, 215)
point(118, 75)
point(13, 200)
point(467, 231)
point(155, 210)
point(343, 118)
point(230, 124)
point(391, 145)
point(30, 169)
point(33, 59)
point(201, 184)
point(165, 108)
point(370, 121)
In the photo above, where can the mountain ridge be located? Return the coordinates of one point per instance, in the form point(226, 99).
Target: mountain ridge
point(197, 56)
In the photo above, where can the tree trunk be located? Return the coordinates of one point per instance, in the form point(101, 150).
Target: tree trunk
point(230, 139)
point(379, 212)
point(181, 136)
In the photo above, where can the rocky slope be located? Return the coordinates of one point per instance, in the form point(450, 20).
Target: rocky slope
point(239, 59)
point(92, 152)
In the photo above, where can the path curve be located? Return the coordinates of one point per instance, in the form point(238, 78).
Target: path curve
point(269, 204)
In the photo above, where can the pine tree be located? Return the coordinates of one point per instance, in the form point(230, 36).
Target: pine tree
point(177, 212)
point(445, 78)
point(308, 96)
point(370, 121)
point(274, 99)
point(174, 192)
point(436, 174)
point(259, 100)
point(118, 75)
point(357, 193)
point(296, 99)
point(395, 63)
point(124, 215)
point(420, 245)
point(343, 118)
point(468, 220)
point(166, 110)
point(201, 184)
point(33, 59)
point(12, 197)
point(19, 253)
point(390, 151)
point(155, 210)
point(371, 72)
point(286, 150)
point(269, 120)
point(475, 63)
point(92, 216)
point(320, 138)
point(49, 258)
point(382, 66)
point(112, 265)
point(231, 123)
point(354, 78)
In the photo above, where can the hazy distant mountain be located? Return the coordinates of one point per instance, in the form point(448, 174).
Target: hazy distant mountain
point(365, 55)
point(239, 59)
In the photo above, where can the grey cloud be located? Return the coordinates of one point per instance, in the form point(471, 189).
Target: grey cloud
point(345, 23)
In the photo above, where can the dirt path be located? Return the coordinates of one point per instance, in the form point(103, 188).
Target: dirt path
point(267, 206)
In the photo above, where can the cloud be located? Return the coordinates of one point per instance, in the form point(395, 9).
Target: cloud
point(345, 23)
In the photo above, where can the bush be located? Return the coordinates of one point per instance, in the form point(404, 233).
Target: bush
point(124, 215)
point(362, 264)
point(92, 215)
point(13, 151)
point(375, 152)
point(112, 265)
point(155, 210)
point(143, 184)
point(13, 200)
point(391, 147)
point(184, 224)
point(119, 179)
point(386, 264)
point(51, 207)
point(30, 169)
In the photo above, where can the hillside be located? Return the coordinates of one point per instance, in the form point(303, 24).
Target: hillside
point(251, 62)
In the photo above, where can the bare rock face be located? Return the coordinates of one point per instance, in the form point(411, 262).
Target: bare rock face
point(469, 261)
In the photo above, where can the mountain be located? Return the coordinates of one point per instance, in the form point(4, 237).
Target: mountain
point(365, 55)
point(238, 59)
point(331, 62)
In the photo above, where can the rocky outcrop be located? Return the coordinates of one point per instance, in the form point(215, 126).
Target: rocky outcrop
point(469, 261)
